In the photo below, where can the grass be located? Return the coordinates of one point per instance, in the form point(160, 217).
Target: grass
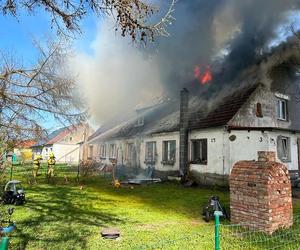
point(60, 215)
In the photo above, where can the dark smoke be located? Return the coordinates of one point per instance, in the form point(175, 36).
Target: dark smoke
point(194, 40)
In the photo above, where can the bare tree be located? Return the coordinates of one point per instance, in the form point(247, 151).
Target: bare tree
point(132, 16)
point(29, 96)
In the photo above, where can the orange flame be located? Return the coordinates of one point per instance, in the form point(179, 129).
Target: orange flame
point(203, 77)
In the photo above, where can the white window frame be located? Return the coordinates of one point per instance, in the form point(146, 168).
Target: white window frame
point(167, 147)
point(200, 141)
point(90, 151)
point(284, 148)
point(153, 149)
point(140, 121)
point(112, 151)
point(281, 106)
point(102, 151)
point(129, 151)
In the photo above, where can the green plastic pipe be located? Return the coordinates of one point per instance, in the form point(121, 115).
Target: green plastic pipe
point(217, 229)
point(4, 243)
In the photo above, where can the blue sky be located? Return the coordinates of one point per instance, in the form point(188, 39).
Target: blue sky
point(18, 34)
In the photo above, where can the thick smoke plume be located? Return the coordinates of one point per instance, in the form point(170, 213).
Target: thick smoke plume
point(117, 77)
point(229, 34)
point(233, 31)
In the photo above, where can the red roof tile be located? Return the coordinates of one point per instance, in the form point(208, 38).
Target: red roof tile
point(25, 144)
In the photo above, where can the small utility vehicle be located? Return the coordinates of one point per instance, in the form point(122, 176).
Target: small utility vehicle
point(213, 206)
point(13, 193)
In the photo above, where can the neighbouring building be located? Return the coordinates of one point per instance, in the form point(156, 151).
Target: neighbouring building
point(23, 150)
point(64, 143)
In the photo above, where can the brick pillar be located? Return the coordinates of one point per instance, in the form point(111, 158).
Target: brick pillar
point(260, 194)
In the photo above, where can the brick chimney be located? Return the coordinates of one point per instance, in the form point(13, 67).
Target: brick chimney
point(183, 143)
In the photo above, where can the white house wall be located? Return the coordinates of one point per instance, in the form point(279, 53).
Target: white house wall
point(245, 146)
point(140, 146)
point(66, 153)
point(216, 151)
point(46, 150)
point(223, 153)
point(159, 138)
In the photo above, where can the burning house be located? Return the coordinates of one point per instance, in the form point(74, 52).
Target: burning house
point(204, 139)
point(244, 97)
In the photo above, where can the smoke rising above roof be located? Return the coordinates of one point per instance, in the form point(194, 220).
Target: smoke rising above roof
point(231, 35)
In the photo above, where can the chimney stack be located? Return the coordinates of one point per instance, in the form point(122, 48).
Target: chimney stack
point(183, 143)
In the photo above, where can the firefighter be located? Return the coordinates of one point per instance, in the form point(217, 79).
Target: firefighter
point(51, 164)
point(36, 165)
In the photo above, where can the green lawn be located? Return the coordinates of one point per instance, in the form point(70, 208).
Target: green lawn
point(60, 215)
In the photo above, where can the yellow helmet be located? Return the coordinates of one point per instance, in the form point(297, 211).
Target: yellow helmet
point(38, 157)
point(51, 155)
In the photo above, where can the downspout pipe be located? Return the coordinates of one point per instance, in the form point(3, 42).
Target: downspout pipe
point(183, 134)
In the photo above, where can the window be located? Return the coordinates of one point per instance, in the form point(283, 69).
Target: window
point(284, 148)
point(103, 151)
point(258, 110)
point(71, 138)
point(129, 149)
point(199, 151)
point(282, 109)
point(112, 151)
point(150, 156)
point(140, 121)
point(90, 151)
point(169, 151)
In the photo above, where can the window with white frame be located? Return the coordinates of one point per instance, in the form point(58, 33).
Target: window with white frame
point(150, 154)
point(129, 149)
point(103, 151)
point(90, 151)
point(169, 151)
point(284, 148)
point(140, 121)
point(112, 151)
point(199, 151)
point(282, 109)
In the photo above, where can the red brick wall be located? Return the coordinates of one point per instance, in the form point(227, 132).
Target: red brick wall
point(260, 194)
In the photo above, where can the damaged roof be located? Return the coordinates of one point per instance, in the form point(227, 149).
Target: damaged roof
point(223, 111)
point(165, 116)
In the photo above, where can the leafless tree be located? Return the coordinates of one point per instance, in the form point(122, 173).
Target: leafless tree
point(31, 95)
point(132, 16)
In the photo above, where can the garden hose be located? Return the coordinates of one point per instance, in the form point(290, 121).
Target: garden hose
point(4, 243)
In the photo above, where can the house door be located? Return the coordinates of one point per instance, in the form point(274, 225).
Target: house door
point(298, 149)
